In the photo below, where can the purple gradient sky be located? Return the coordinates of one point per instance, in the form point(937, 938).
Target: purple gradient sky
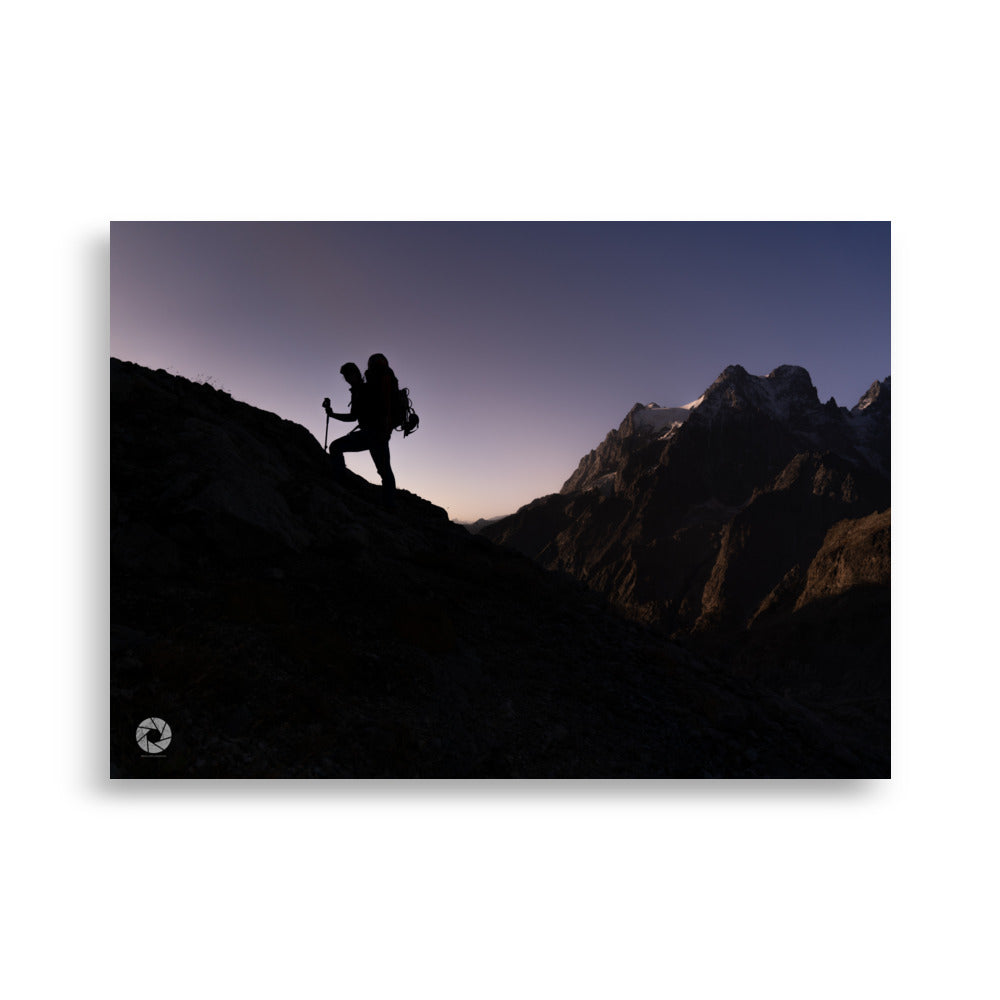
point(523, 343)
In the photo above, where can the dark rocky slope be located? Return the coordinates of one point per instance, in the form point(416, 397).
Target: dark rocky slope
point(287, 627)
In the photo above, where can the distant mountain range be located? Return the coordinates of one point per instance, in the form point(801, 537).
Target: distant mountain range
point(752, 507)
point(478, 525)
point(283, 625)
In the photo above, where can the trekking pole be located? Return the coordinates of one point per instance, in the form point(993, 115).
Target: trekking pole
point(326, 433)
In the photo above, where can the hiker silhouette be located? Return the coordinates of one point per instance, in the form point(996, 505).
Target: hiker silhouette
point(371, 407)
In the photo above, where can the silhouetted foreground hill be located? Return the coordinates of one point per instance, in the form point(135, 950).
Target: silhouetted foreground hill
point(286, 627)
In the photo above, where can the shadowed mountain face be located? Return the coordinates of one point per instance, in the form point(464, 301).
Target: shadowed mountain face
point(720, 519)
point(284, 626)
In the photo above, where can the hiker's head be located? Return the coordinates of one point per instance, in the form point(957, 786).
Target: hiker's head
point(377, 361)
point(351, 372)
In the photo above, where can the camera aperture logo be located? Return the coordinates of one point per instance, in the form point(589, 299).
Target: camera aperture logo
point(153, 736)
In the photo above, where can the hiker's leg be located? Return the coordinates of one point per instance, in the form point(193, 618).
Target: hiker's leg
point(357, 440)
point(380, 456)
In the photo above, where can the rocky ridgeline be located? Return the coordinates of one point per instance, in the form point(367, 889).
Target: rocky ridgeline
point(285, 626)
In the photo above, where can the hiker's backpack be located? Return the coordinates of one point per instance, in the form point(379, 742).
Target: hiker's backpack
point(401, 414)
point(404, 418)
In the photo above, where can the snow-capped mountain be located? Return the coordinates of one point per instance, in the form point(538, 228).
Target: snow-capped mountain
point(706, 515)
point(786, 397)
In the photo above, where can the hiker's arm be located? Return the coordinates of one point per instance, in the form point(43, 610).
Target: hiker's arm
point(336, 416)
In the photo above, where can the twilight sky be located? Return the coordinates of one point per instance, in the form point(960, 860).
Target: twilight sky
point(523, 344)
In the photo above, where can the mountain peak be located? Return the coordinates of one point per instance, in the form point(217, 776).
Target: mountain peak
point(786, 389)
point(791, 375)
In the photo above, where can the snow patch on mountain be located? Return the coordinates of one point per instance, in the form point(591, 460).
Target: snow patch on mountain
point(656, 419)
